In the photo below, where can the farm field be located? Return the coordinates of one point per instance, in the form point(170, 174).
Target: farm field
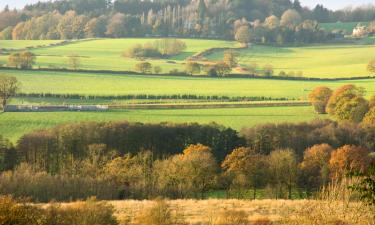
point(318, 61)
point(112, 85)
point(106, 54)
point(14, 125)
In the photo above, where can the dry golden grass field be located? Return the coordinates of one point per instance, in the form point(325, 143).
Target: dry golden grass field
point(283, 212)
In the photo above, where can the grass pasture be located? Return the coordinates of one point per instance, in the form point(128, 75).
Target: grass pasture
point(112, 85)
point(106, 54)
point(14, 125)
point(318, 61)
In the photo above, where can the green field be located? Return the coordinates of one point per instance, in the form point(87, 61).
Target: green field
point(323, 61)
point(106, 54)
point(109, 85)
point(13, 125)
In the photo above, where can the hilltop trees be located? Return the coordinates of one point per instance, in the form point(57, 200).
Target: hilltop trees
point(319, 97)
point(8, 89)
point(290, 18)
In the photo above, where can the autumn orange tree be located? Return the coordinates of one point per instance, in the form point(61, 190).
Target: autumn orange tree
point(315, 166)
point(347, 103)
point(369, 119)
point(319, 98)
point(348, 158)
point(245, 163)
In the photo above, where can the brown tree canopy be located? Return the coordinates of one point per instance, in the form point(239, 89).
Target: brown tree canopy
point(319, 97)
point(348, 158)
point(315, 165)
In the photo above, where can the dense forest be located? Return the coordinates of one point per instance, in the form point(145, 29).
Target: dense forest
point(280, 21)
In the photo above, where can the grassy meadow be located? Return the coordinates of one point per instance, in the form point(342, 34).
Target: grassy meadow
point(112, 85)
point(106, 54)
point(14, 125)
point(318, 61)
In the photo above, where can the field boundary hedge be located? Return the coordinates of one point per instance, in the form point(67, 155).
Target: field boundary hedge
point(152, 97)
point(104, 108)
point(231, 76)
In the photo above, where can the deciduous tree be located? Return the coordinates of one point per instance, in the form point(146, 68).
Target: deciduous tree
point(283, 171)
point(348, 104)
point(348, 158)
point(193, 67)
point(243, 35)
point(319, 98)
point(246, 162)
point(143, 67)
point(315, 166)
point(8, 89)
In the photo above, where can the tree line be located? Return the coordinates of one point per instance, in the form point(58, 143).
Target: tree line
point(139, 161)
point(184, 18)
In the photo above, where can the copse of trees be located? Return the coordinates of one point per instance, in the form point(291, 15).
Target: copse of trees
point(159, 48)
point(22, 60)
point(346, 103)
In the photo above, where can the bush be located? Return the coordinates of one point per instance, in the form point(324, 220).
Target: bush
point(232, 217)
point(159, 214)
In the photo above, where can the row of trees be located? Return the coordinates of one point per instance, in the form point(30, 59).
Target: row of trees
point(159, 48)
point(192, 173)
point(347, 103)
point(289, 28)
point(124, 18)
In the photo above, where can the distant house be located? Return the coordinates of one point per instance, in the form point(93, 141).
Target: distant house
point(359, 31)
